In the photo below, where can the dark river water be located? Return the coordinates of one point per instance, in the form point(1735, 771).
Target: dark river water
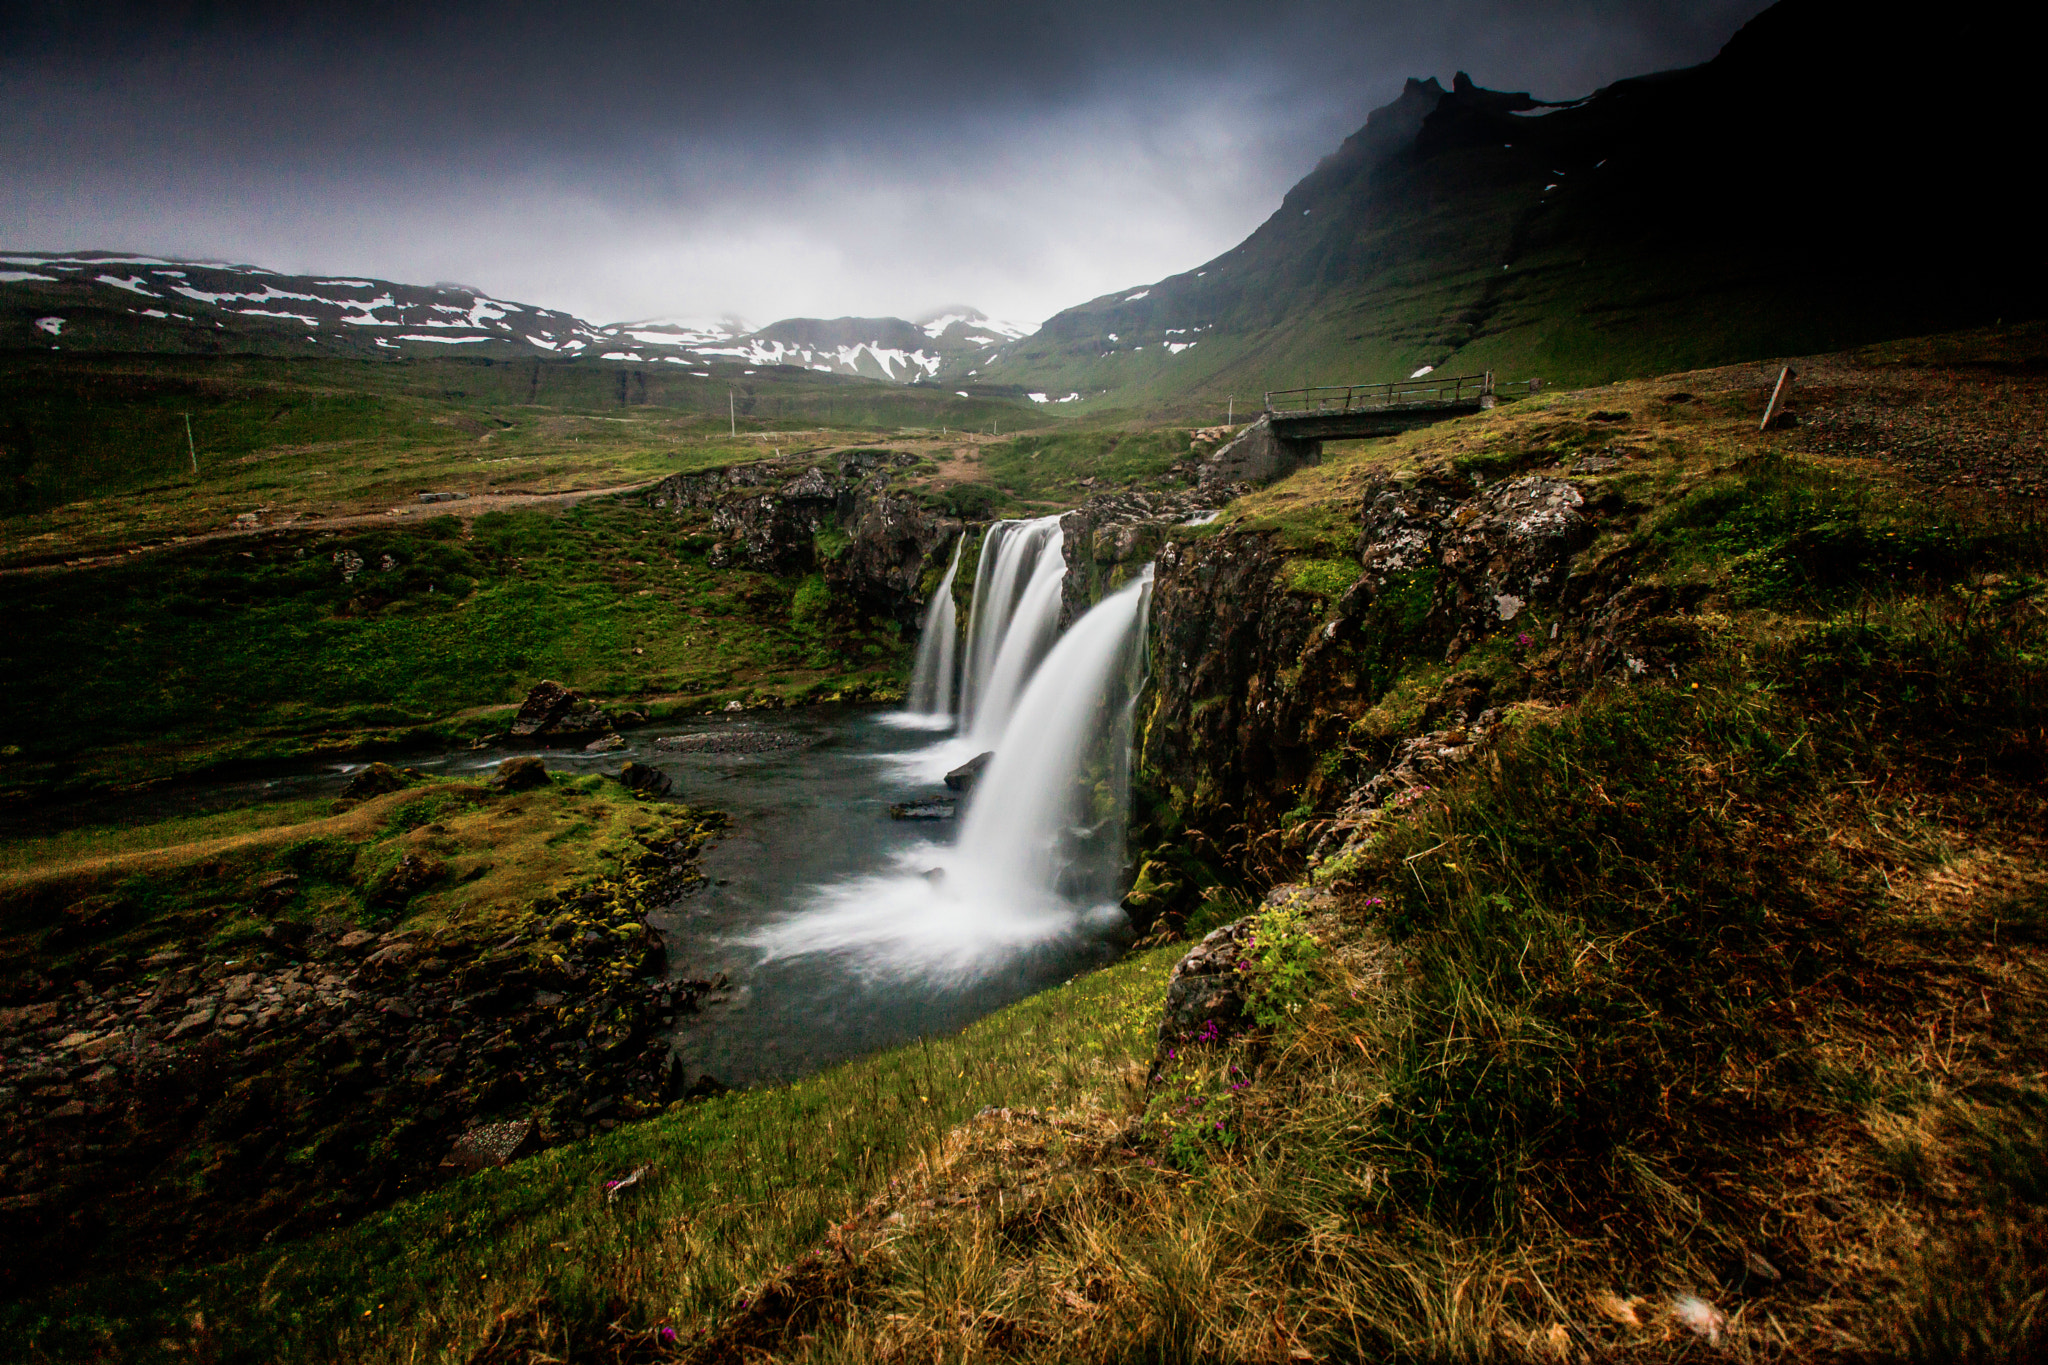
point(810, 815)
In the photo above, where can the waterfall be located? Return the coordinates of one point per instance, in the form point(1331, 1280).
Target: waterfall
point(1032, 625)
point(1040, 851)
point(1032, 803)
point(1012, 556)
point(931, 682)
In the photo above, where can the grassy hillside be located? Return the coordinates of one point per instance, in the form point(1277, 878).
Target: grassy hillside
point(375, 635)
point(1701, 1012)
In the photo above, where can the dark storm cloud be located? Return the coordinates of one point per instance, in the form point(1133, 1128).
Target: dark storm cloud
point(635, 159)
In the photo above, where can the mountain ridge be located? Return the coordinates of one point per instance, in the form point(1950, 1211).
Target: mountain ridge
point(130, 301)
point(1784, 197)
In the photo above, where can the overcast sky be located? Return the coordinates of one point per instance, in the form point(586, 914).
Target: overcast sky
point(797, 158)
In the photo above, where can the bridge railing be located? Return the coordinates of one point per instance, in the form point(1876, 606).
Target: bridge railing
point(1429, 391)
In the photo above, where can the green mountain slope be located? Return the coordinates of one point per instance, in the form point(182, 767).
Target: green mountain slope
point(1803, 191)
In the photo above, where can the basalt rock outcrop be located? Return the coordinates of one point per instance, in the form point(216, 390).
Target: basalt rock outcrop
point(874, 542)
point(1111, 536)
point(1263, 668)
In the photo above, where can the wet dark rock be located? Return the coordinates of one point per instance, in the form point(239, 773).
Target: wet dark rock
point(1161, 889)
point(520, 774)
point(1113, 535)
point(552, 714)
point(964, 777)
point(892, 538)
point(648, 781)
point(923, 810)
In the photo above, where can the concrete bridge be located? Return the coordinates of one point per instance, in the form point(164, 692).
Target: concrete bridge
point(1296, 422)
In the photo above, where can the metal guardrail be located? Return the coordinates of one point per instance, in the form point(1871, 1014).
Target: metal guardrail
point(1480, 390)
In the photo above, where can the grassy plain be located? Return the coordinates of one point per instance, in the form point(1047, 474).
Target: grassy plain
point(95, 459)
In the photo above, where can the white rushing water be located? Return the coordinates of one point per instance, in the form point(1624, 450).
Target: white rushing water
point(1012, 554)
point(1033, 624)
point(1040, 851)
point(932, 680)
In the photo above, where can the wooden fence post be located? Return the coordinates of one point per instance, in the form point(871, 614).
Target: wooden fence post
point(1785, 377)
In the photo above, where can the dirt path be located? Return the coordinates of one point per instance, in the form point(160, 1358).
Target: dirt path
point(359, 819)
point(466, 508)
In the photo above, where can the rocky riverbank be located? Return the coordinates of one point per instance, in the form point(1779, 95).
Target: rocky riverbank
point(203, 1099)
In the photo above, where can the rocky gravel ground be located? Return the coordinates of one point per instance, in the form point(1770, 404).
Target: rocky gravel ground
point(200, 1104)
point(1980, 429)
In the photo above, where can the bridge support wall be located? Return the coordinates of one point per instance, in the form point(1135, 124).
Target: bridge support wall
point(1259, 454)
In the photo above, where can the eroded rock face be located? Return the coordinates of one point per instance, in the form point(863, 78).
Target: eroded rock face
point(1112, 535)
point(323, 1071)
point(775, 516)
point(892, 538)
point(1226, 725)
point(1256, 678)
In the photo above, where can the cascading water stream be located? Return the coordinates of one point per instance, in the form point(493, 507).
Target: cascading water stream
point(1011, 554)
point(1019, 833)
point(1040, 850)
point(932, 680)
point(1033, 624)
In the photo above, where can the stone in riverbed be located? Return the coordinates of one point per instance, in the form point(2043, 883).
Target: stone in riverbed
point(376, 780)
point(923, 810)
point(646, 780)
point(964, 777)
point(552, 713)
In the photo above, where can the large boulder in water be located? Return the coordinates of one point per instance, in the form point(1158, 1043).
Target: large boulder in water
point(647, 781)
point(553, 714)
point(964, 777)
